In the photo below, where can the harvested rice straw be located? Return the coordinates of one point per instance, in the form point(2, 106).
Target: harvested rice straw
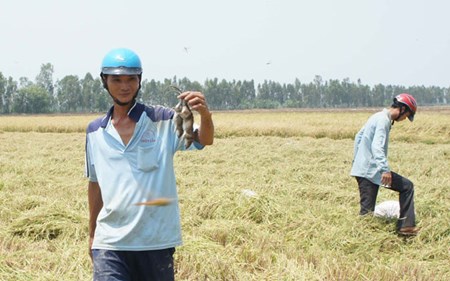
point(156, 202)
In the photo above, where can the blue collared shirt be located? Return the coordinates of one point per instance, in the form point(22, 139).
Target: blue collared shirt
point(371, 148)
point(136, 172)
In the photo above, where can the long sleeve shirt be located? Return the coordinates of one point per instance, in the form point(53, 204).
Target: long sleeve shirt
point(371, 148)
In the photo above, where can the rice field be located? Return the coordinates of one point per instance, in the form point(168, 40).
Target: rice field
point(272, 199)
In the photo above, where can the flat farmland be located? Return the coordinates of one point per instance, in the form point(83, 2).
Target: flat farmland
point(272, 199)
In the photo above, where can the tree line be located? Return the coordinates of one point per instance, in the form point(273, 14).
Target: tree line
point(72, 94)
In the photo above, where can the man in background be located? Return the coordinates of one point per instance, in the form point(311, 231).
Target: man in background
point(370, 165)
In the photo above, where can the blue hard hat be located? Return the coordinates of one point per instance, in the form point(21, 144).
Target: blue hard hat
point(121, 61)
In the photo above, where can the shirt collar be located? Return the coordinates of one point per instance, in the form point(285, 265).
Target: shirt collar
point(388, 113)
point(134, 113)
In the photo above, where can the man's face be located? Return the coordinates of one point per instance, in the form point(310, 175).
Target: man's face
point(123, 87)
point(404, 116)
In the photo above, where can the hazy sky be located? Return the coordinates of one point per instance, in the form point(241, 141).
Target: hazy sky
point(400, 42)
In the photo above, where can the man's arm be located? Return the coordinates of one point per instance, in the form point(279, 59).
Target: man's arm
point(95, 205)
point(206, 130)
point(379, 152)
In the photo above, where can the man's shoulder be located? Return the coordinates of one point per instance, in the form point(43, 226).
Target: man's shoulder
point(95, 124)
point(380, 116)
point(158, 112)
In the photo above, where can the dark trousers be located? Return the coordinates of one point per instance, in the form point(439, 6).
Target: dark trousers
point(133, 265)
point(368, 192)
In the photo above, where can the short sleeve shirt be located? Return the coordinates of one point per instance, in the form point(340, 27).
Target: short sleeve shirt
point(140, 171)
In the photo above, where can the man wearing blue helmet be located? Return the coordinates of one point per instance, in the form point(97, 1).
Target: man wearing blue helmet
point(121, 62)
point(129, 159)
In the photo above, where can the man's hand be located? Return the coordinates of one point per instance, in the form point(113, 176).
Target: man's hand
point(386, 179)
point(91, 239)
point(95, 205)
point(197, 102)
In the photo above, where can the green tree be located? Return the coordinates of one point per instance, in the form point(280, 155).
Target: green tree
point(212, 93)
point(31, 99)
point(361, 96)
point(69, 94)
point(378, 93)
point(11, 88)
point(93, 94)
point(333, 94)
point(149, 93)
point(102, 100)
point(226, 93)
point(38, 98)
point(168, 97)
point(24, 82)
point(20, 102)
point(320, 91)
point(247, 93)
point(264, 91)
point(3, 83)
point(45, 79)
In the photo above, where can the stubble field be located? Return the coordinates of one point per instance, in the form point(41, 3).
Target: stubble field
point(272, 199)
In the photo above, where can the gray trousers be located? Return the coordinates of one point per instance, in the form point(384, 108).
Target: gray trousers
point(368, 192)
